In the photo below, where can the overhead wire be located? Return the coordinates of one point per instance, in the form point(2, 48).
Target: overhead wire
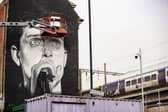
point(122, 59)
point(143, 50)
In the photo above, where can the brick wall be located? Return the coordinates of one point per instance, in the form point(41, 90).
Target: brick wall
point(3, 13)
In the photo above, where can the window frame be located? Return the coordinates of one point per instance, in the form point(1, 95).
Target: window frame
point(128, 83)
point(147, 78)
point(134, 82)
point(153, 76)
point(139, 80)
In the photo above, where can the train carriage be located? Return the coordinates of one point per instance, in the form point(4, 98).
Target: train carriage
point(150, 79)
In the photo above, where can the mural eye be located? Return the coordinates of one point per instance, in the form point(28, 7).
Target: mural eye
point(55, 43)
point(52, 19)
point(35, 42)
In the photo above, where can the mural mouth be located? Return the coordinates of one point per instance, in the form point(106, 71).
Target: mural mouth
point(43, 74)
point(47, 74)
point(42, 82)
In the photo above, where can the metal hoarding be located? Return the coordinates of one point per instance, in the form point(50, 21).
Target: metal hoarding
point(53, 103)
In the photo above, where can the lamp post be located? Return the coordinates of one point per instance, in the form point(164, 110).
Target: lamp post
point(139, 55)
point(90, 44)
point(159, 100)
point(105, 80)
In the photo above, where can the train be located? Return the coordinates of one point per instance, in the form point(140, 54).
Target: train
point(154, 78)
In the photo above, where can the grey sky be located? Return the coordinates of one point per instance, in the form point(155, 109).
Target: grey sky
point(119, 29)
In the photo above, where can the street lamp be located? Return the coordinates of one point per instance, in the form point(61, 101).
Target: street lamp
point(139, 55)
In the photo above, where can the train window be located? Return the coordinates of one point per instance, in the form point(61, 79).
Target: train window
point(153, 77)
point(128, 83)
point(134, 81)
point(147, 78)
point(139, 80)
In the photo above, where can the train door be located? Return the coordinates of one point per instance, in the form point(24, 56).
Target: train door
point(113, 88)
point(166, 75)
point(161, 77)
point(122, 86)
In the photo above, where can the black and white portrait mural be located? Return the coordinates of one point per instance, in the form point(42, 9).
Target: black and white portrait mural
point(41, 56)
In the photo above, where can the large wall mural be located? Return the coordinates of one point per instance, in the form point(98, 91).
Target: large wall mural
point(42, 56)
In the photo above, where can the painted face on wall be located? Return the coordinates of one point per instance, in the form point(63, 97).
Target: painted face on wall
point(40, 55)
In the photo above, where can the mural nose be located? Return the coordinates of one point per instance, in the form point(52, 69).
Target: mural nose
point(47, 52)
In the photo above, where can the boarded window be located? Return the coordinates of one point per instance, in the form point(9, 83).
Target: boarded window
point(153, 77)
point(128, 83)
point(134, 81)
point(147, 78)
